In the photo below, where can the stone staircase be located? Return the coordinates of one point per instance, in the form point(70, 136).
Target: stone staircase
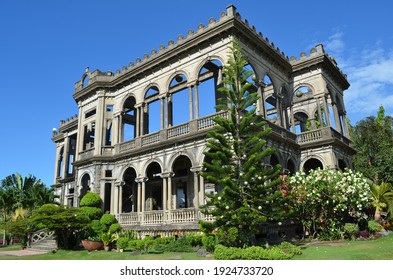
point(43, 240)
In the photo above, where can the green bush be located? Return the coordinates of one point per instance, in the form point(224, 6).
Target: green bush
point(228, 238)
point(351, 230)
point(284, 252)
point(164, 240)
point(122, 242)
point(195, 239)
point(136, 245)
point(374, 226)
point(91, 199)
point(91, 212)
point(209, 242)
point(107, 220)
point(179, 245)
point(114, 228)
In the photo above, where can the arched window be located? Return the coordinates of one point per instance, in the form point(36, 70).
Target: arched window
point(183, 182)
point(179, 107)
point(153, 195)
point(152, 117)
point(210, 79)
point(129, 119)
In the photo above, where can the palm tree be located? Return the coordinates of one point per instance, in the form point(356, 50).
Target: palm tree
point(382, 198)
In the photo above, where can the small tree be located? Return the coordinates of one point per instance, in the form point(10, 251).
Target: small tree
point(65, 222)
point(248, 192)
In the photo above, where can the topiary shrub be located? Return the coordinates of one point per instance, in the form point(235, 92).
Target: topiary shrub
point(114, 228)
point(281, 252)
point(107, 220)
point(92, 212)
point(91, 199)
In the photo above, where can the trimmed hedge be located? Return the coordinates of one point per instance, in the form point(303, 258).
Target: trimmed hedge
point(284, 251)
point(91, 199)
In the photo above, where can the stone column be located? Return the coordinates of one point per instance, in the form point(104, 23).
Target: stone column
point(292, 118)
point(141, 193)
point(327, 111)
point(196, 101)
point(190, 102)
point(170, 198)
point(162, 110)
point(117, 129)
point(337, 118)
point(100, 124)
point(345, 124)
point(196, 171)
point(79, 142)
point(261, 92)
point(319, 112)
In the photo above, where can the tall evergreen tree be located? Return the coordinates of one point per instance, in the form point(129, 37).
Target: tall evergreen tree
point(248, 193)
point(372, 139)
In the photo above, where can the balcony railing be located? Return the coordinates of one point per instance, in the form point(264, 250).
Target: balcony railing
point(175, 216)
point(322, 134)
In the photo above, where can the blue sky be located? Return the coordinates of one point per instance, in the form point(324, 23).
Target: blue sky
point(46, 45)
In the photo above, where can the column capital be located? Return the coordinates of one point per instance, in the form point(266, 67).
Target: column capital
point(167, 175)
point(196, 169)
point(141, 179)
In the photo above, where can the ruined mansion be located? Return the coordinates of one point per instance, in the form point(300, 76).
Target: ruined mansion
point(140, 135)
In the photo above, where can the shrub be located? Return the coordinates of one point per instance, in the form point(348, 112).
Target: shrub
point(209, 242)
point(91, 212)
point(179, 245)
point(91, 199)
point(107, 220)
point(351, 230)
point(114, 228)
point(97, 227)
point(195, 239)
point(283, 251)
point(228, 238)
point(374, 226)
point(136, 245)
point(122, 242)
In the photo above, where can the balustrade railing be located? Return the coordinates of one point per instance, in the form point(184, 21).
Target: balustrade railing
point(175, 216)
point(178, 130)
point(151, 138)
point(309, 136)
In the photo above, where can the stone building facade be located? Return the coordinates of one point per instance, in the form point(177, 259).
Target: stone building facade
point(140, 135)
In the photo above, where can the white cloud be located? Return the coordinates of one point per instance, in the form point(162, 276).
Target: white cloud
point(370, 73)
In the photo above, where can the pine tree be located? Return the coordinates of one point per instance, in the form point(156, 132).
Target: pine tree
point(248, 193)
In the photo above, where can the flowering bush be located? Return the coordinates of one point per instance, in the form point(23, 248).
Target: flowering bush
point(324, 199)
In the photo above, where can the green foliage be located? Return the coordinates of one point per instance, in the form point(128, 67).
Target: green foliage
point(237, 147)
point(136, 245)
point(108, 238)
point(372, 139)
point(107, 220)
point(351, 230)
point(382, 198)
point(374, 226)
point(195, 239)
point(19, 196)
point(209, 242)
point(66, 222)
point(122, 242)
point(113, 228)
point(228, 237)
point(91, 199)
point(179, 245)
point(92, 212)
point(97, 227)
point(281, 252)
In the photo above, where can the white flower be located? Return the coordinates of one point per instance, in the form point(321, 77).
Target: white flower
point(219, 198)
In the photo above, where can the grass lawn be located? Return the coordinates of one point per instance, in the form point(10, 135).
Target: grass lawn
point(380, 249)
point(99, 255)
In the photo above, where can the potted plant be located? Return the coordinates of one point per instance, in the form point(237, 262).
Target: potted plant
point(92, 244)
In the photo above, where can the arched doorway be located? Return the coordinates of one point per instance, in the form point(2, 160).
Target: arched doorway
point(312, 163)
point(153, 193)
point(183, 182)
point(291, 167)
point(342, 165)
point(129, 201)
point(85, 185)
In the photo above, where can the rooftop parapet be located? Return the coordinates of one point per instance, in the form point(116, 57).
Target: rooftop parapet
point(317, 51)
point(230, 14)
